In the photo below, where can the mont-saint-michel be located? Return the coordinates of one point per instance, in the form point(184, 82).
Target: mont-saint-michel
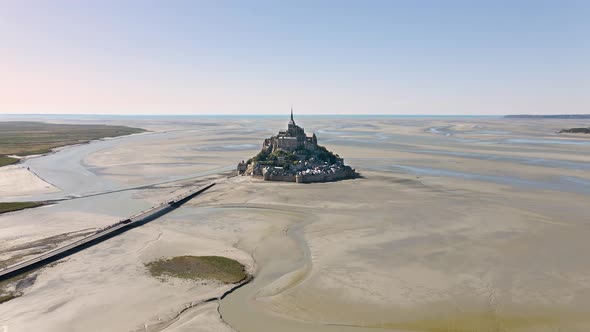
point(292, 156)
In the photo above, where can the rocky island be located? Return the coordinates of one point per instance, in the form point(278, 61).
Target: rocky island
point(292, 156)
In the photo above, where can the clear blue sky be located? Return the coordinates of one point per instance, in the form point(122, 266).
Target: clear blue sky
point(261, 57)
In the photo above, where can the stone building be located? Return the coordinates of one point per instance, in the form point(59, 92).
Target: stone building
point(291, 140)
point(242, 168)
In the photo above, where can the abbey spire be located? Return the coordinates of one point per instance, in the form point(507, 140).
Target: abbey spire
point(292, 122)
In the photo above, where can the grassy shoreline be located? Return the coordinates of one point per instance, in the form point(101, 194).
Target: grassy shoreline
point(23, 138)
point(17, 206)
point(6, 160)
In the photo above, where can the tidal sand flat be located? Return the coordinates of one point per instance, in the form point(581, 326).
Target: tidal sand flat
point(396, 250)
point(16, 181)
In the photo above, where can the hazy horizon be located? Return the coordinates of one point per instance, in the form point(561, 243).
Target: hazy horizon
point(267, 115)
point(400, 58)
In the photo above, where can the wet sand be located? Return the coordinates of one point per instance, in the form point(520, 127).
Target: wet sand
point(477, 224)
point(417, 256)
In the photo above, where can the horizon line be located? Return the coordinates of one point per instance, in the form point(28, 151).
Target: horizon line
point(281, 115)
point(273, 114)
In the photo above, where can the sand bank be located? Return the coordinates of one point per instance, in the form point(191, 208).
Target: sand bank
point(16, 181)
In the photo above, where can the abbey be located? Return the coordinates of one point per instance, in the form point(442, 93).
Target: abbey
point(291, 140)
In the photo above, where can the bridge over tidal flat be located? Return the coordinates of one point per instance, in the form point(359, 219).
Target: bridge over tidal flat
point(102, 234)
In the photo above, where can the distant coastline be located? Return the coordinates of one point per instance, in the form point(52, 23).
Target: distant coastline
point(575, 131)
point(26, 138)
point(41, 117)
point(555, 116)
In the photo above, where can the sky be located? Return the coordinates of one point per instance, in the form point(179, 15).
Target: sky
point(319, 57)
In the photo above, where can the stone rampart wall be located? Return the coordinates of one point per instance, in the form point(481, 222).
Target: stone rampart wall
point(339, 175)
point(275, 177)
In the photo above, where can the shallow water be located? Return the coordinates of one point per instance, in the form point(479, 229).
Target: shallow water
point(565, 184)
point(67, 170)
point(231, 147)
point(546, 141)
point(441, 141)
point(543, 162)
